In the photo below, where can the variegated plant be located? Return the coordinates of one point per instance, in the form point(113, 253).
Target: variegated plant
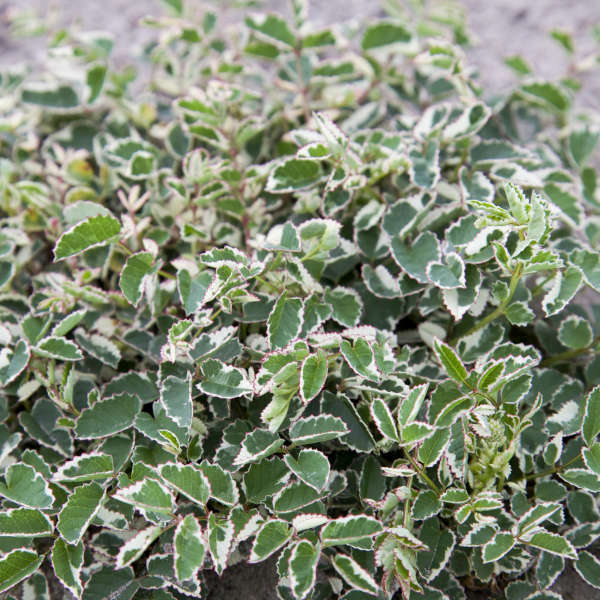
point(309, 297)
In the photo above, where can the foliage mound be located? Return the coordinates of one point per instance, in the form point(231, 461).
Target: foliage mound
point(306, 294)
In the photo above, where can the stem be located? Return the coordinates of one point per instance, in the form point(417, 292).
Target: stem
point(568, 354)
point(302, 88)
point(497, 312)
point(421, 472)
point(406, 515)
point(51, 377)
point(166, 275)
point(272, 287)
point(125, 248)
point(552, 471)
point(539, 288)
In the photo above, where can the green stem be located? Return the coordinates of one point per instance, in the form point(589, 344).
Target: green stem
point(421, 472)
point(268, 284)
point(569, 354)
point(552, 471)
point(497, 312)
point(166, 275)
point(125, 248)
point(540, 287)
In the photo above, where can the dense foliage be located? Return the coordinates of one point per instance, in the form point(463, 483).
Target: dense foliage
point(306, 295)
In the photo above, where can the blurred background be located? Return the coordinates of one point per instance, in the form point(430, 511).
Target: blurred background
point(498, 29)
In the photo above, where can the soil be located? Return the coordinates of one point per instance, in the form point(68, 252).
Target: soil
point(503, 28)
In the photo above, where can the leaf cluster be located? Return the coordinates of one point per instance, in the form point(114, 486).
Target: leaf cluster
point(309, 295)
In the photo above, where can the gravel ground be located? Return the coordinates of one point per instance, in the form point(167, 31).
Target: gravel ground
point(503, 28)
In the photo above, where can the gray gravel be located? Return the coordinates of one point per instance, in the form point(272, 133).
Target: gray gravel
point(502, 28)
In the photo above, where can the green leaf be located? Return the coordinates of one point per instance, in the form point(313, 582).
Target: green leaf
point(566, 202)
point(415, 432)
point(16, 566)
point(189, 548)
point(107, 417)
point(78, 512)
point(454, 410)
point(440, 543)
point(385, 34)
point(109, 582)
point(380, 282)
point(313, 374)
point(450, 361)
point(589, 264)
point(383, 419)
point(424, 166)
point(432, 448)
point(426, 505)
point(449, 274)
point(552, 543)
point(60, 97)
point(67, 561)
point(285, 321)
point(546, 94)
point(58, 348)
point(220, 537)
point(372, 484)
point(176, 398)
point(16, 363)
point(591, 419)
point(94, 78)
point(411, 405)
point(349, 530)
point(223, 381)
point(564, 287)
point(26, 486)
point(147, 494)
point(591, 458)
point(85, 468)
point(496, 548)
point(272, 26)
point(311, 466)
point(264, 479)
point(25, 522)
point(302, 567)
point(582, 144)
point(187, 480)
point(294, 497)
point(273, 535)
point(284, 238)
point(135, 546)
point(258, 444)
point(536, 515)
point(294, 174)
point(222, 486)
point(358, 437)
point(361, 358)
point(415, 259)
point(518, 65)
point(99, 347)
point(588, 567)
point(354, 575)
point(582, 478)
point(68, 323)
point(575, 332)
point(346, 304)
point(315, 429)
point(192, 290)
point(548, 568)
point(137, 268)
point(91, 233)
point(519, 314)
